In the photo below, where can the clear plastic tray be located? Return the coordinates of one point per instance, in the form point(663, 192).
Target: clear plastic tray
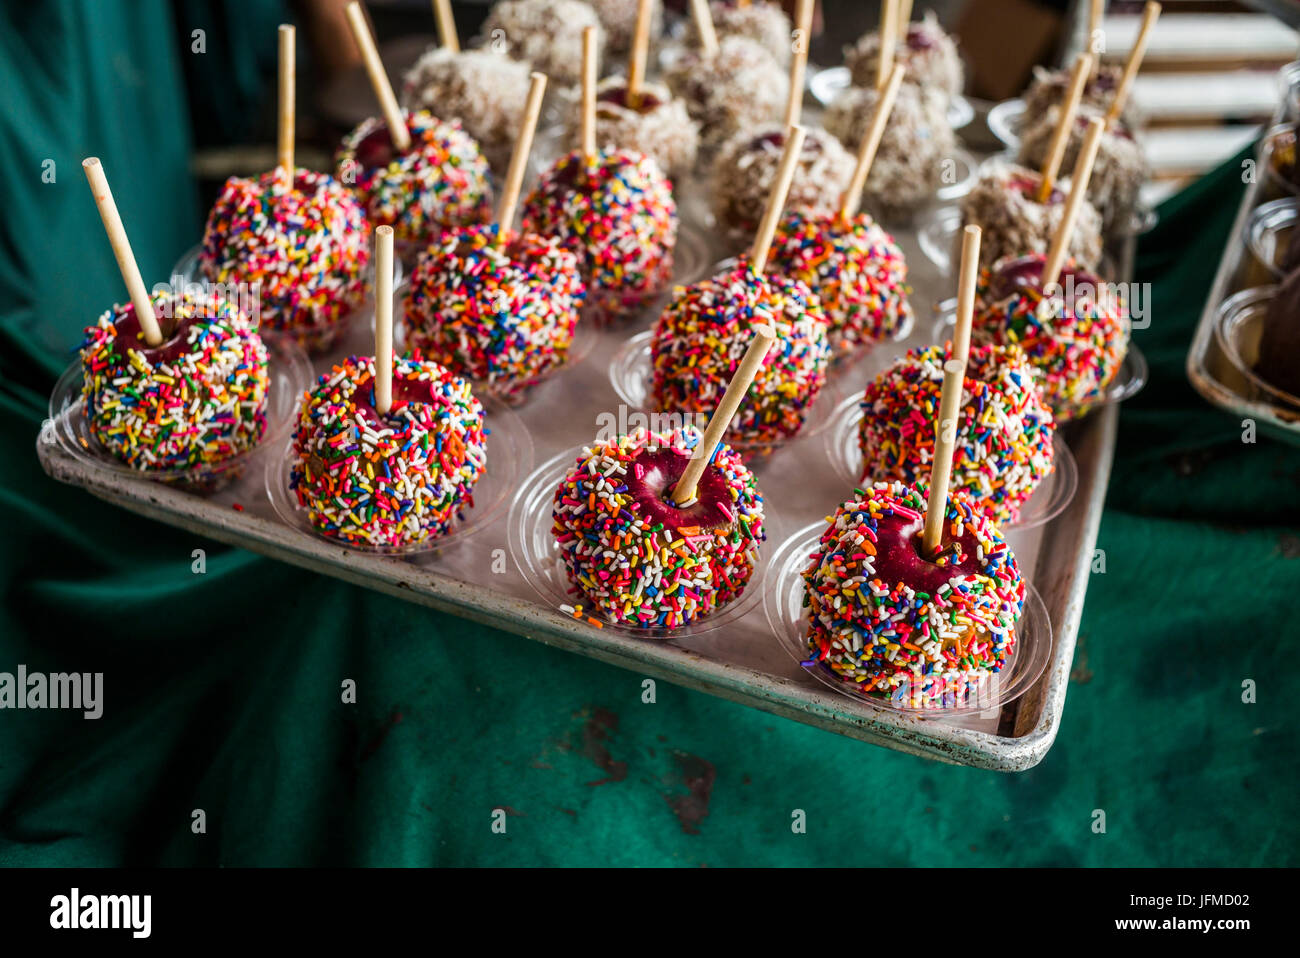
point(1269, 229)
point(1004, 120)
point(1238, 327)
point(535, 552)
point(1047, 502)
point(290, 375)
point(784, 608)
point(509, 457)
point(827, 84)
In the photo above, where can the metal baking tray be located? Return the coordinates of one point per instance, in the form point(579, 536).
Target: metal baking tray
point(742, 661)
point(1211, 372)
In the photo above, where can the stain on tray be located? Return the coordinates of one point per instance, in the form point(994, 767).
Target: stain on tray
point(1288, 544)
point(698, 775)
point(1079, 672)
point(601, 724)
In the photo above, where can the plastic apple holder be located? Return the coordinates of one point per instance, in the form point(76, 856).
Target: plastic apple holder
point(509, 457)
point(187, 267)
point(536, 553)
point(1268, 230)
point(1046, 502)
point(1127, 382)
point(825, 85)
point(972, 693)
point(1005, 120)
point(290, 375)
point(1238, 328)
point(630, 374)
point(1278, 150)
point(937, 234)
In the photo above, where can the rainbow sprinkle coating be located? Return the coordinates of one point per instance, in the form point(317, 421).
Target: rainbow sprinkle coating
point(306, 246)
point(197, 399)
point(638, 558)
point(1077, 343)
point(387, 481)
point(440, 182)
point(703, 334)
point(499, 313)
point(1004, 433)
point(615, 210)
point(901, 627)
point(855, 268)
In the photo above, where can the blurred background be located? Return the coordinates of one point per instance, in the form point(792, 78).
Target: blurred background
point(176, 96)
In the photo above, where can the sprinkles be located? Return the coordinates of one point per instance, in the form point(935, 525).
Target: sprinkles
point(702, 336)
point(197, 399)
point(855, 268)
point(1075, 342)
point(1003, 447)
point(895, 624)
point(306, 247)
point(440, 182)
point(640, 559)
point(391, 480)
point(502, 313)
point(615, 210)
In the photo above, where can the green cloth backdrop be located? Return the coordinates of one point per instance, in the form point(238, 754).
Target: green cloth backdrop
point(223, 690)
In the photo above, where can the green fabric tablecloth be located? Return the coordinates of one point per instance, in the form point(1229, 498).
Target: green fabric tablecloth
point(223, 690)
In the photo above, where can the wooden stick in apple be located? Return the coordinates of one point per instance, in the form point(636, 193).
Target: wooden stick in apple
point(870, 144)
point(888, 38)
point(1150, 14)
point(383, 319)
point(286, 110)
point(519, 158)
point(954, 379)
point(126, 263)
point(703, 19)
point(589, 56)
point(799, 61)
point(447, 37)
point(640, 48)
point(762, 244)
point(392, 113)
point(1061, 135)
point(1056, 253)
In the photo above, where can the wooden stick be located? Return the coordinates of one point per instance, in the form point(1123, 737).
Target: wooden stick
point(519, 159)
point(904, 18)
point(888, 37)
point(776, 199)
point(684, 491)
point(589, 56)
point(1074, 202)
point(945, 439)
point(970, 253)
point(640, 46)
point(799, 62)
point(383, 319)
point(1061, 135)
point(870, 143)
point(1150, 15)
point(1096, 10)
point(704, 26)
point(954, 379)
point(446, 25)
point(126, 263)
point(393, 117)
point(284, 151)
